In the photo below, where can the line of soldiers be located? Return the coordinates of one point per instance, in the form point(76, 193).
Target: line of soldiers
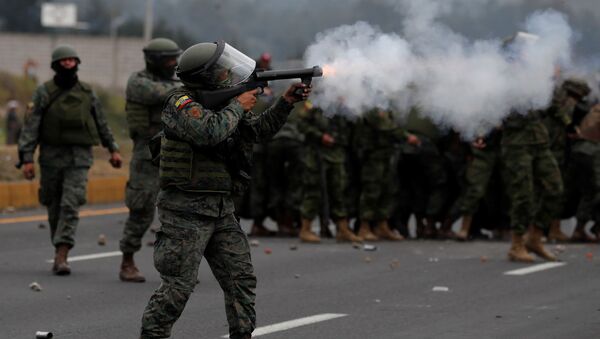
point(383, 167)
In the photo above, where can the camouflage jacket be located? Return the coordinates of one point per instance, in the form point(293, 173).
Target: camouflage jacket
point(51, 155)
point(524, 129)
point(377, 132)
point(187, 120)
point(314, 124)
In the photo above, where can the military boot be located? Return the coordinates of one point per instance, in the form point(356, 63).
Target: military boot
point(533, 243)
point(344, 234)
point(555, 234)
point(465, 227)
point(365, 232)
point(579, 234)
point(259, 230)
point(517, 250)
point(306, 234)
point(285, 227)
point(383, 231)
point(129, 272)
point(61, 266)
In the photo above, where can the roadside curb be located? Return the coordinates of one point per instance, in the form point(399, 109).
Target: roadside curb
point(24, 194)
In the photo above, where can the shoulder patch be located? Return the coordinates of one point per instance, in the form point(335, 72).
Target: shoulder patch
point(194, 112)
point(182, 102)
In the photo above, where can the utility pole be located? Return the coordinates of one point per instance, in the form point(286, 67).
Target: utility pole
point(149, 22)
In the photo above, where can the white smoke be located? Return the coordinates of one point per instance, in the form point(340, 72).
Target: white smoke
point(467, 85)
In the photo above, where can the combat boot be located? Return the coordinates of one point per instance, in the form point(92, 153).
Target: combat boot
point(555, 234)
point(383, 231)
point(61, 266)
point(534, 244)
point(465, 227)
point(517, 250)
point(365, 232)
point(285, 227)
point(306, 234)
point(129, 272)
point(259, 230)
point(344, 234)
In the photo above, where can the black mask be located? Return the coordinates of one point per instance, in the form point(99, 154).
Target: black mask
point(160, 70)
point(64, 78)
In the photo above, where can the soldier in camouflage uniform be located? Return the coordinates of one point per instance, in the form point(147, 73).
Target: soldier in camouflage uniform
point(324, 161)
point(485, 160)
point(204, 159)
point(285, 173)
point(558, 120)
point(375, 136)
point(145, 94)
point(66, 120)
point(533, 183)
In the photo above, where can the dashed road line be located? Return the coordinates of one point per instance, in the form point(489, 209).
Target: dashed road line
point(535, 268)
point(91, 256)
point(82, 214)
point(286, 325)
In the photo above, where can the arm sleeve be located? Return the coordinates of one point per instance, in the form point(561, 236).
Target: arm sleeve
point(146, 91)
point(106, 136)
point(29, 138)
point(203, 127)
point(268, 123)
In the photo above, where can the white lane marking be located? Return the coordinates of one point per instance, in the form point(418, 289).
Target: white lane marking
point(286, 325)
point(91, 256)
point(535, 268)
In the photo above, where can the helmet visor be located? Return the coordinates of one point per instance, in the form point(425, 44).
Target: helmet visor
point(232, 68)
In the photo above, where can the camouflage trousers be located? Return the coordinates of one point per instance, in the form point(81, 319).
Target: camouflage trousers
point(377, 178)
point(63, 192)
point(477, 177)
point(582, 182)
point(140, 197)
point(285, 175)
point(180, 244)
point(336, 180)
point(534, 185)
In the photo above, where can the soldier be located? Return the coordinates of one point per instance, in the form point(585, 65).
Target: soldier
point(66, 120)
point(374, 138)
point(485, 160)
point(558, 120)
point(204, 160)
point(324, 178)
point(145, 93)
point(13, 125)
point(533, 183)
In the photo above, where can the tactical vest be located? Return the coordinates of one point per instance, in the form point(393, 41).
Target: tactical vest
point(69, 119)
point(191, 169)
point(143, 120)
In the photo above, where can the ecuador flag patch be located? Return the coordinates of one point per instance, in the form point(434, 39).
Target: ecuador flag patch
point(182, 102)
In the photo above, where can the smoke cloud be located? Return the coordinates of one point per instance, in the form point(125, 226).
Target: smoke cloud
point(468, 85)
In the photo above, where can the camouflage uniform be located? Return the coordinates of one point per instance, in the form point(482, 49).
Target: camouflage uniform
point(199, 172)
point(145, 94)
point(374, 141)
point(65, 134)
point(313, 125)
point(285, 170)
point(532, 176)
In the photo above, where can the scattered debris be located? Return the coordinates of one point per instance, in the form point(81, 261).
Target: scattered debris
point(254, 243)
point(293, 247)
point(356, 245)
point(34, 286)
point(483, 258)
point(68, 297)
point(589, 256)
point(440, 289)
point(268, 251)
point(9, 209)
point(297, 276)
point(498, 316)
point(434, 259)
point(101, 240)
point(559, 248)
point(378, 300)
point(394, 264)
point(43, 335)
point(42, 226)
point(369, 248)
point(368, 259)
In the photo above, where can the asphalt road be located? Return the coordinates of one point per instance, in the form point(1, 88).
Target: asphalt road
point(326, 291)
